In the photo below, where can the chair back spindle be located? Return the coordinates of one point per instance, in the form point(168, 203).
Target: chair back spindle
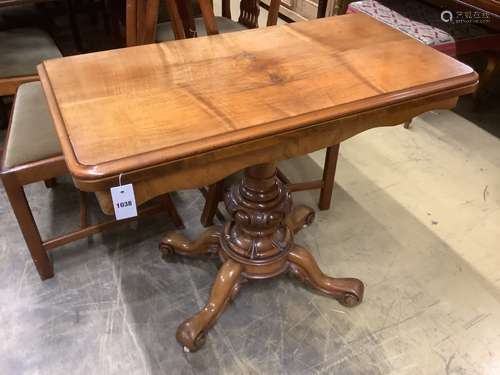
point(249, 13)
point(207, 12)
point(183, 22)
point(175, 18)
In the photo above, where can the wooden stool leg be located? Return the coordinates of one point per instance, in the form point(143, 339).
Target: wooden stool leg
point(75, 31)
point(492, 67)
point(106, 18)
point(83, 209)
point(26, 222)
point(172, 211)
point(329, 168)
point(50, 183)
point(4, 114)
point(214, 196)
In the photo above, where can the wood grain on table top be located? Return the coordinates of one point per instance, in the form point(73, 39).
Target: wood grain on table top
point(146, 105)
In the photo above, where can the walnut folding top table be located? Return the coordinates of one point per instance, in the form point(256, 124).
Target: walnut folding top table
point(188, 113)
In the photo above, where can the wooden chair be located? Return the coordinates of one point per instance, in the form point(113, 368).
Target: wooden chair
point(21, 50)
point(185, 21)
point(183, 25)
point(32, 153)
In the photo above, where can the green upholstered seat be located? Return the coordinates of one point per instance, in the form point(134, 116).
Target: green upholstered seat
point(31, 135)
point(164, 30)
point(21, 50)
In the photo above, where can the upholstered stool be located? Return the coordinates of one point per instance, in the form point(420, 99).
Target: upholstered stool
point(423, 22)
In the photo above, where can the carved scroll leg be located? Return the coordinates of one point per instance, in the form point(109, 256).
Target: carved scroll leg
point(348, 291)
point(301, 217)
point(192, 332)
point(175, 243)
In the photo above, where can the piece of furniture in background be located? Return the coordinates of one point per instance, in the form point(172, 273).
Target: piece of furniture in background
point(327, 8)
point(32, 153)
point(341, 6)
point(135, 12)
point(92, 8)
point(186, 24)
point(185, 21)
point(142, 17)
point(424, 22)
point(470, 31)
point(67, 7)
point(27, 15)
point(297, 10)
point(21, 50)
point(105, 15)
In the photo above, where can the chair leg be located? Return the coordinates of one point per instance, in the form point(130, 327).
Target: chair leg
point(172, 211)
point(341, 6)
point(83, 209)
point(103, 8)
point(73, 22)
point(21, 208)
point(492, 68)
point(329, 168)
point(407, 124)
point(4, 114)
point(214, 196)
point(50, 183)
point(114, 10)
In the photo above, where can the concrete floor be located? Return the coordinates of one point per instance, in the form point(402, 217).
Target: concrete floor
point(415, 216)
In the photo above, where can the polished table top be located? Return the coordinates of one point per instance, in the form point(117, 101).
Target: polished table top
point(132, 109)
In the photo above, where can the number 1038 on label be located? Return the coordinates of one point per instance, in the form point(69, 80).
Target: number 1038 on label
point(124, 204)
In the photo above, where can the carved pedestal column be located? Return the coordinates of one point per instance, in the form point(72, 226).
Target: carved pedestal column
point(258, 237)
point(256, 244)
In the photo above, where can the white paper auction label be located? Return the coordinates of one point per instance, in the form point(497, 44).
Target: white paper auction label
point(124, 201)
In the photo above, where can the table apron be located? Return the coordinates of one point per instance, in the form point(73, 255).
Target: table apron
point(210, 167)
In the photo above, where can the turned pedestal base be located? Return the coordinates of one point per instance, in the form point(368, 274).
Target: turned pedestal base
point(257, 244)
